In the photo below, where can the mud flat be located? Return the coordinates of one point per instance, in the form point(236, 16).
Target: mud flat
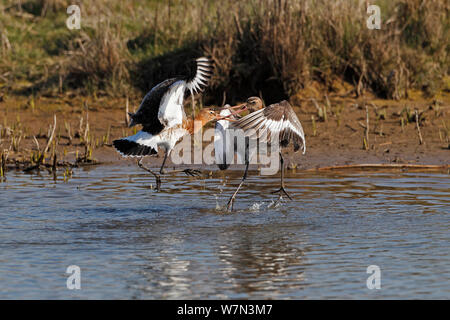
point(340, 131)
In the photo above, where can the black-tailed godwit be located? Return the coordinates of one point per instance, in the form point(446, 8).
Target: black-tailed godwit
point(262, 123)
point(163, 119)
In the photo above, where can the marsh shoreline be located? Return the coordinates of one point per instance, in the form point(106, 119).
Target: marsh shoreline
point(335, 129)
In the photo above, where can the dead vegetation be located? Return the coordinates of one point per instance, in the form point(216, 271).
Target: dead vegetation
point(97, 62)
point(28, 152)
point(276, 47)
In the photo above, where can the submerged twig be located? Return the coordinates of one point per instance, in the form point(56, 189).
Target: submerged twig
point(40, 160)
point(50, 139)
point(313, 120)
point(69, 132)
point(2, 166)
point(366, 139)
point(37, 143)
point(418, 128)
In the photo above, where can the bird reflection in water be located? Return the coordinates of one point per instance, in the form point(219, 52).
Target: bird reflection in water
point(261, 264)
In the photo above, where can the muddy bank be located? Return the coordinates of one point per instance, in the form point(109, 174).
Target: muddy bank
point(335, 129)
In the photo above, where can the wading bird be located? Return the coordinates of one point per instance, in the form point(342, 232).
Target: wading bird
point(225, 150)
point(277, 119)
point(163, 119)
point(224, 147)
point(144, 143)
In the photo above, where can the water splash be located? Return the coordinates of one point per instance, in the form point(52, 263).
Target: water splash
point(275, 204)
point(256, 206)
point(218, 206)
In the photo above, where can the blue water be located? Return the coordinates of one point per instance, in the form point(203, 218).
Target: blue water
point(132, 242)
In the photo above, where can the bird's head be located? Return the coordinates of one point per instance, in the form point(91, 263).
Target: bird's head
point(253, 104)
point(207, 114)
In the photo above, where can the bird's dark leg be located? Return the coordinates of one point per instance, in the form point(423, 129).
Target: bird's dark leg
point(231, 201)
point(157, 177)
point(161, 171)
point(282, 190)
point(188, 172)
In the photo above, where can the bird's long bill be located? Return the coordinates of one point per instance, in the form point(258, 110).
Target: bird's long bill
point(224, 118)
point(234, 112)
point(239, 106)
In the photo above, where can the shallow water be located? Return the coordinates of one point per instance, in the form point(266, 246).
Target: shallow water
point(133, 242)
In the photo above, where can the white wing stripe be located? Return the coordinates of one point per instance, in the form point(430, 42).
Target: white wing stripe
point(202, 76)
point(171, 110)
point(201, 81)
point(145, 139)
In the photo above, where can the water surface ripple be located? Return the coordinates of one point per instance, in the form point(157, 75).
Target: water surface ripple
point(133, 242)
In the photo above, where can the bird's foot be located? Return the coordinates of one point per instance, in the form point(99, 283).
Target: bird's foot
point(157, 176)
point(230, 204)
point(158, 183)
point(282, 191)
point(192, 172)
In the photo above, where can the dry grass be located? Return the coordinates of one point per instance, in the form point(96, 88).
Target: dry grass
point(271, 46)
point(97, 62)
point(305, 41)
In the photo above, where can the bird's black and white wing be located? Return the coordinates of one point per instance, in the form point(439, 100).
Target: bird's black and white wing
point(198, 81)
point(161, 108)
point(171, 110)
point(147, 113)
point(277, 119)
point(138, 145)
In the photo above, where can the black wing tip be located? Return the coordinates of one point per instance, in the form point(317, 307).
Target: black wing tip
point(285, 142)
point(287, 135)
point(129, 148)
point(299, 144)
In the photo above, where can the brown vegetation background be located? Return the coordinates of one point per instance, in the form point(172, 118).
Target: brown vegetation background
point(276, 47)
point(338, 74)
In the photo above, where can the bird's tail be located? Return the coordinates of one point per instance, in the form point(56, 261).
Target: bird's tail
point(202, 76)
point(139, 145)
